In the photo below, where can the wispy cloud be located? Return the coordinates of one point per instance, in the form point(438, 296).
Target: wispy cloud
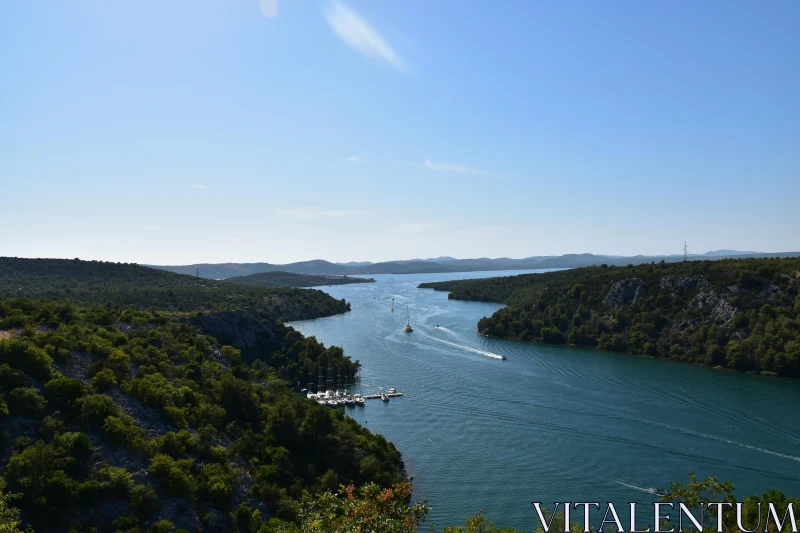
point(452, 167)
point(269, 8)
point(356, 32)
point(357, 159)
point(315, 213)
point(200, 186)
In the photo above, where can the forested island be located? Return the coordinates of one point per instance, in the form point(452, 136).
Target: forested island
point(290, 279)
point(737, 314)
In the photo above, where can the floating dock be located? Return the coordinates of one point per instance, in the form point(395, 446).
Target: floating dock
point(378, 396)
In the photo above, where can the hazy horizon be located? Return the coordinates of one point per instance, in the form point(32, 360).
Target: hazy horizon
point(275, 131)
point(346, 261)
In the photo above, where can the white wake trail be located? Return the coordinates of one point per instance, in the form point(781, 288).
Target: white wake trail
point(467, 348)
point(450, 331)
point(635, 487)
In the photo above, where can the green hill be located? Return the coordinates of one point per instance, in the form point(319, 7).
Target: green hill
point(290, 279)
point(739, 314)
point(123, 414)
point(131, 284)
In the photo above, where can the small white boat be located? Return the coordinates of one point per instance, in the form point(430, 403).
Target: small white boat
point(384, 397)
point(348, 400)
point(321, 401)
point(332, 403)
point(392, 390)
point(359, 400)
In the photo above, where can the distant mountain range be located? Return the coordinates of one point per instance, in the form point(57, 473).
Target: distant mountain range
point(445, 264)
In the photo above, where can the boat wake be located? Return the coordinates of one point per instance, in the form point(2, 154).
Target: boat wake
point(467, 348)
point(754, 448)
point(635, 487)
point(450, 331)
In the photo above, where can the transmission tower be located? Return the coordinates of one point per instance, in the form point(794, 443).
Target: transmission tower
point(685, 251)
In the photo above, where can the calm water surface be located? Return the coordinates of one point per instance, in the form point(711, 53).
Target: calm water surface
point(551, 423)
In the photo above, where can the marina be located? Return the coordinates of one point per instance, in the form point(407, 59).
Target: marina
point(335, 391)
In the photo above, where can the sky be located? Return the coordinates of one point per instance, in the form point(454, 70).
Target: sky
point(284, 130)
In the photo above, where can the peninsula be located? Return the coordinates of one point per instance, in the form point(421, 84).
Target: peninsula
point(738, 314)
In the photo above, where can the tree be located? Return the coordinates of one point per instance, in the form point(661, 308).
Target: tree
point(368, 509)
point(9, 516)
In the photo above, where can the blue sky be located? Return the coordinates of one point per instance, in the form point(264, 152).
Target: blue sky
point(246, 130)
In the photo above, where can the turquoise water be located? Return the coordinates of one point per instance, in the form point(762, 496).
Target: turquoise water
point(551, 423)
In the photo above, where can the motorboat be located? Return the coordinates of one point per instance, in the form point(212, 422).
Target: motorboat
point(348, 400)
point(384, 397)
point(332, 403)
point(392, 390)
point(359, 400)
point(321, 401)
point(659, 492)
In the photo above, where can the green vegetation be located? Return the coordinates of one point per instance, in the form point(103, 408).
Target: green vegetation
point(739, 314)
point(143, 287)
point(290, 279)
point(109, 391)
point(153, 401)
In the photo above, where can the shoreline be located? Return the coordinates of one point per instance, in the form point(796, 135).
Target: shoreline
point(645, 356)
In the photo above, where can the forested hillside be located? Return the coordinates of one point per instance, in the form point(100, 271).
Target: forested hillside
point(739, 314)
point(130, 284)
point(146, 418)
point(290, 279)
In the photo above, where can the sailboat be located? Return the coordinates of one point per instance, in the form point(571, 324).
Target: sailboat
point(407, 328)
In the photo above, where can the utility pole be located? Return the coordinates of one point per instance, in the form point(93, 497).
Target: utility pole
point(198, 272)
point(685, 251)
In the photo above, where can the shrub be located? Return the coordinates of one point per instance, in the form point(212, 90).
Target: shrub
point(51, 427)
point(23, 355)
point(63, 391)
point(174, 474)
point(174, 416)
point(95, 408)
point(11, 379)
point(26, 401)
point(163, 526)
point(122, 429)
point(143, 500)
point(104, 380)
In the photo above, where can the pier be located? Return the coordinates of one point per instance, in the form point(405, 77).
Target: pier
point(378, 396)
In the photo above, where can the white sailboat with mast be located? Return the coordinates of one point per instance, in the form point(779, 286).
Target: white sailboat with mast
point(407, 328)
